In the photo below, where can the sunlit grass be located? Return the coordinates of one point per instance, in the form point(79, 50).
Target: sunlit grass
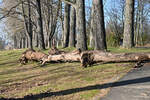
point(18, 80)
point(122, 50)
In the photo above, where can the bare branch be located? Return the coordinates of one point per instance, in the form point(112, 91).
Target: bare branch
point(9, 11)
point(70, 2)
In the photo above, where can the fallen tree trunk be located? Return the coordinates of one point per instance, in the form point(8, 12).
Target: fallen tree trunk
point(60, 56)
point(65, 57)
point(31, 55)
point(90, 57)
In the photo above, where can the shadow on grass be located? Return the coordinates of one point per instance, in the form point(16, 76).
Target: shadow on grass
point(76, 90)
point(21, 79)
point(23, 69)
point(8, 63)
point(142, 47)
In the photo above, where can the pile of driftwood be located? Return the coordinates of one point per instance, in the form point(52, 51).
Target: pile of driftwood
point(87, 58)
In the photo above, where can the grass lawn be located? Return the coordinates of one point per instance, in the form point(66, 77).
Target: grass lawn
point(59, 81)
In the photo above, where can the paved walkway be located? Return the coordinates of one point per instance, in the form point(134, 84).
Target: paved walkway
point(134, 86)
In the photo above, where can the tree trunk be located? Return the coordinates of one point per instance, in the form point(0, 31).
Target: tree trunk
point(92, 41)
point(81, 25)
point(15, 42)
point(56, 55)
point(23, 42)
point(20, 43)
point(66, 25)
point(40, 25)
point(36, 40)
point(54, 24)
point(80, 21)
point(49, 42)
point(30, 32)
point(72, 27)
point(99, 27)
point(30, 45)
point(136, 25)
point(27, 42)
point(28, 24)
point(90, 57)
point(128, 40)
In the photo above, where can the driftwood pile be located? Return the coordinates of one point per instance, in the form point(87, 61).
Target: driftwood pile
point(87, 58)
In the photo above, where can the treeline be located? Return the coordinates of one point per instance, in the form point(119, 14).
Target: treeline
point(76, 23)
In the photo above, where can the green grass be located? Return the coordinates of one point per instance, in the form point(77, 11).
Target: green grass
point(18, 80)
point(89, 94)
point(121, 50)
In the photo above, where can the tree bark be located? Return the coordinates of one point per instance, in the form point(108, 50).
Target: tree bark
point(66, 25)
point(128, 40)
point(27, 43)
point(40, 25)
point(99, 27)
point(72, 27)
point(56, 55)
point(81, 25)
point(20, 43)
point(139, 24)
point(30, 32)
point(15, 42)
point(23, 42)
point(88, 58)
point(36, 40)
point(92, 41)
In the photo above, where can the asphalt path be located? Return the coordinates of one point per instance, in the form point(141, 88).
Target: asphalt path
point(133, 86)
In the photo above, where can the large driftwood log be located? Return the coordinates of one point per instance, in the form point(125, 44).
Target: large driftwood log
point(90, 57)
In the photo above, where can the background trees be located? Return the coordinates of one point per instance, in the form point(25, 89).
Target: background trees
point(76, 23)
point(115, 22)
point(40, 25)
point(141, 21)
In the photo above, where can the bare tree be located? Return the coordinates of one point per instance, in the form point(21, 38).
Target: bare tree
point(66, 24)
point(128, 40)
point(92, 33)
point(115, 23)
point(28, 23)
point(40, 25)
point(51, 11)
point(98, 25)
point(72, 27)
point(79, 6)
